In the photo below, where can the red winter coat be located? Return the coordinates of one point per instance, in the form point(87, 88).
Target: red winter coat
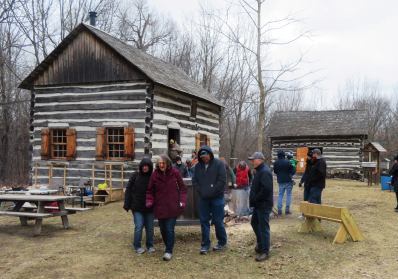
point(164, 193)
point(242, 176)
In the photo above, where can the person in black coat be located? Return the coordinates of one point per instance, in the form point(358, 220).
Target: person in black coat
point(284, 172)
point(316, 180)
point(304, 178)
point(261, 199)
point(394, 180)
point(134, 200)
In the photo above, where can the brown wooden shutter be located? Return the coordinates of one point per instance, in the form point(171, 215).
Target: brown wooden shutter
point(45, 144)
point(100, 145)
point(197, 142)
point(70, 144)
point(208, 140)
point(129, 140)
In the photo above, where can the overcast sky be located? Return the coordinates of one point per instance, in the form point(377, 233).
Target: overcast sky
point(351, 38)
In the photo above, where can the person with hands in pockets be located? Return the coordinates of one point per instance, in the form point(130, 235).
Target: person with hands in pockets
point(167, 195)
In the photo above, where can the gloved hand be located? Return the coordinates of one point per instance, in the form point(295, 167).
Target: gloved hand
point(126, 208)
point(300, 184)
point(235, 185)
point(182, 205)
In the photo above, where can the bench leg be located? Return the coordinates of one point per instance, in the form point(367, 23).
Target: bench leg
point(310, 225)
point(37, 229)
point(341, 235)
point(24, 221)
point(65, 221)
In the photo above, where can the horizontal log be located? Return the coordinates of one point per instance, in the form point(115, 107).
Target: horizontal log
point(91, 88)
point(127, 96)
point(113, 114)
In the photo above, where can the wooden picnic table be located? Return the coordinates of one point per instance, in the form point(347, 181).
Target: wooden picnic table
point(41, 211)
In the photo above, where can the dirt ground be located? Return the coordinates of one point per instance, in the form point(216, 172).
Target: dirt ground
point(99, 245)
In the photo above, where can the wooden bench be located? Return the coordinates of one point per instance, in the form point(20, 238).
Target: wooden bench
point(25, 216)
point(315, 212)
point(69, 209)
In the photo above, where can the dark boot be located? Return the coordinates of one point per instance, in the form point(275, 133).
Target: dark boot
point(261, 257)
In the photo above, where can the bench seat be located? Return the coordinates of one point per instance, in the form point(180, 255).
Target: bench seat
point(25, 214)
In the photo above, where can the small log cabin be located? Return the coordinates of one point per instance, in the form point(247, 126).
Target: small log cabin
point(339, 134)
point(98, 101)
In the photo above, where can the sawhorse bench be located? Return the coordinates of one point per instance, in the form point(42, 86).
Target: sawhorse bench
point(315, 212)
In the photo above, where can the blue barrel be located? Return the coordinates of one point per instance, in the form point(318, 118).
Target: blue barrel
point(385, 181)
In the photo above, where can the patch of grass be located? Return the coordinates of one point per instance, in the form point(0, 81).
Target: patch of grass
point(99, 245)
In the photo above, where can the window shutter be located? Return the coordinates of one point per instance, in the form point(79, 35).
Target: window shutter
point(129, 139)
point(70, 144)
point(197, 142)
point(45, 144)
point(208, 140)
point(100, 145)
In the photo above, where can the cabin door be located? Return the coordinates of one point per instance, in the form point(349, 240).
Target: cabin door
point(301, 155)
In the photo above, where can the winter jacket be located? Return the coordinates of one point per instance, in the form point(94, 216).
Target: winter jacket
point(394, 173)
point(135, 195)
point(210, 182)
point(283, 169)
point(304, 178)
point(242, 176)
point(182, 169)
point(317, 174)
point(262, 190)
point(165, 192)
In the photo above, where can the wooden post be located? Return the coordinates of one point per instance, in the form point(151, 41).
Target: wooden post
point(36, 167)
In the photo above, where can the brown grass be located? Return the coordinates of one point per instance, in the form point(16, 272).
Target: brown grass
point(99, 245)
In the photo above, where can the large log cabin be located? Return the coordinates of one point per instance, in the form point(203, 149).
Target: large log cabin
point(97, 101)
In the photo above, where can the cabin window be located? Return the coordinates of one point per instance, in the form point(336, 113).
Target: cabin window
point(194, 108)
point(203, 140)
point(115, 143)
point(200, 140)
point(58, 143)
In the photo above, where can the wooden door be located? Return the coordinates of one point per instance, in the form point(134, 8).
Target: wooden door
point(301, 155)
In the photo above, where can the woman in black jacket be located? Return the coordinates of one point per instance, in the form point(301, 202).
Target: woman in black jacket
point(135, 201)
point(394, 181)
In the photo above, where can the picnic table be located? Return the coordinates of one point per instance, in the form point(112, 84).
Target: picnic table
point(41, 209)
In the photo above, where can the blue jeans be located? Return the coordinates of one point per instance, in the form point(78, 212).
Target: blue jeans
point(315, 195)
point(260, 225)
point(212, 209)
point(167, 231)
point(142, 220)
point(282, 188)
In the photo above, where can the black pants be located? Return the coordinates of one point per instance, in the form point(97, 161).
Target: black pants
point(396, 194)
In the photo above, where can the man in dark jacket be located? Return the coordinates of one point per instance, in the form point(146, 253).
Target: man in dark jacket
point(394, 180)
point(316, 177)
point(261, 199)
point(284, 172)
point(209, 181)
point(180, 166)
point(135, 201)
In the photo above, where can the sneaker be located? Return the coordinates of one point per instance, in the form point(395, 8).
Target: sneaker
point(140, 250)
point(261, 257)
point(167, 256)
point(279, 212)
point(151, 250)
point(287, 212)
point(301, 217)
point(204, 251)
point(257, 249)
point(219, 247)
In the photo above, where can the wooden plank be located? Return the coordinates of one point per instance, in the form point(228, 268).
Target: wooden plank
point(321, 210)
point(25, 214)
point(351, 226)
point(341, 235)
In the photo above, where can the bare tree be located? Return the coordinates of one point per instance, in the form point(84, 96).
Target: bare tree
point(5, 8)
point(142, 27)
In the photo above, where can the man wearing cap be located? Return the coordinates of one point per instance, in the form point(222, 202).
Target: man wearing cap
point(284, 172)
point(261, 199)
point(316, 177)
point(209, 181)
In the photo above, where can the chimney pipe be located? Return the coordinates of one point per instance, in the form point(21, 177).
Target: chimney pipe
point(92, 16)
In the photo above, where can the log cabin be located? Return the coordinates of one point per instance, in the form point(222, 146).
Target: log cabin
point(98, 103)
point(339, 134)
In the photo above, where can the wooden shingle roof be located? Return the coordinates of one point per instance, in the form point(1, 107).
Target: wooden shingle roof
point(154, 68)
point(318, 123)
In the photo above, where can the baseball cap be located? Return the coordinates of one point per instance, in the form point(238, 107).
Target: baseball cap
point(316, 151)
point(203, 153)
point(257, 155)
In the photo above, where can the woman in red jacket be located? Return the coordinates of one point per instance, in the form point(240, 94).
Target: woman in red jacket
point(167, 194)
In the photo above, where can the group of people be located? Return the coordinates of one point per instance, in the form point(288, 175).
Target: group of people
point(313, 179)
point(162, 194)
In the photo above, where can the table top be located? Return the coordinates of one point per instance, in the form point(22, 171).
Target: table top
point(13, 197)
point(31, 192)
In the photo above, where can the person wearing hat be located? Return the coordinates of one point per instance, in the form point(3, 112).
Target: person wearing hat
point(261, 199)
point(174, 150)
point(209, 181)
point(180, 166)
point(284, 172)
point(304, 178)
point(316, 177)
point(394, 180)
